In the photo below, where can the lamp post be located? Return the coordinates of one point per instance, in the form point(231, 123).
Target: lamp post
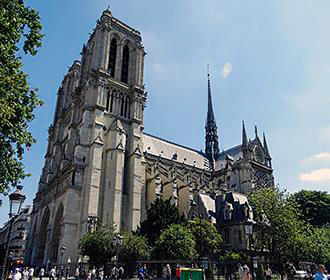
point(117, 241)
point(193, 203)
point(16, 200)
point(249, 233)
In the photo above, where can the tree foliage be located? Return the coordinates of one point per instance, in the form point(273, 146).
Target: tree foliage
point(283, 231)
point(175, 243)
point(279, 228)
point(134, 248)
point(314, 206)
point(98, 245)
point(160, 215)
point(20, 26)
point(206, 236)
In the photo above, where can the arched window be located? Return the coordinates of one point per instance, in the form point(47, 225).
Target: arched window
point(57, 232)
point(127, 107)
point(112, 57)
point(112, 96)
point(124, 67)
point(108, 102)
point(122, 100)
point(43, 235)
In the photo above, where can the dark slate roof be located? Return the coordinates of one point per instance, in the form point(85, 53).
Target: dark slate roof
point(232, 152)
point(237, 200)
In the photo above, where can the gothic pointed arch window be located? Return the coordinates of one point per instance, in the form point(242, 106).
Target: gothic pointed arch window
point(43, 235)
point(112, 57)
point(124, 66)
point(56, 235)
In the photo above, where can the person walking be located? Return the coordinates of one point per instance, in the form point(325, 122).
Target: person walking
point(31, 273)
point(52, 273)
point(240, 271)
point(17, 275)
point(101, 273)
point(268, 273)
point(246, 274)
point(41, 273)
point(77, 273)
point(167, 272)
point(320, 275)
point(177, 272)
point(120, 273)
point(25, 275)
point(141, 273)
point(114, 273)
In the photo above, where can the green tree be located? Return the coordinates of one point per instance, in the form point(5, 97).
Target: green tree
point(134, 248)
point(207, 238)
point(20, 26)
point(160, 215)
point(175, 243)
point(319, 245)
point(279, 229)
point(98, 246)
point(314, 205)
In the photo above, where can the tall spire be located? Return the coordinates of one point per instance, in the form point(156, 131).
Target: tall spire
point(266, 146)
point(211, 135)
point(244, 137)
point(256, 131)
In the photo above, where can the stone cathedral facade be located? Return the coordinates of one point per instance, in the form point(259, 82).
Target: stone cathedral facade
point(100, 164)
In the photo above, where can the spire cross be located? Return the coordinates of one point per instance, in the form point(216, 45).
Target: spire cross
point(208, 69)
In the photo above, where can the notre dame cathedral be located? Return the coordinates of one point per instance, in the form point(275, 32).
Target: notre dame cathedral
point(100, 164)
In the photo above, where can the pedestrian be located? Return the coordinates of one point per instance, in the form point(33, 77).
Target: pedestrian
point(31, 273)
point(41, 273)
point(52, 273)
point(141, 273)
point(17, 274)
point(177, 272)
point(101, 273)
point(93, 273)
point(77, 273)
point(268, 273)
point(67, 272)
point(120, 273)
point(89, 275)
point(240, 271)
point(320, 275)
point(25, 273)
point(246, 274)
point(167, 272)
point(114, 273)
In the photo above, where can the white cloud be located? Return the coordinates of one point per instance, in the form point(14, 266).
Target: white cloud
point(319, 175)
point(226, 70)
point(158, 68)
point(320, 156)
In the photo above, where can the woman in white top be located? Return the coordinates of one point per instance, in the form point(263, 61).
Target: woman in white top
point(17, 275)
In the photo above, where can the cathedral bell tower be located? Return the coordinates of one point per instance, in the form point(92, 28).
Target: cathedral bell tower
point(112, 82)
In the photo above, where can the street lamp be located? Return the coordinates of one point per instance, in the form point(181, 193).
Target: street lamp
point(194, 204)
point(117, 241)
point(16, 200)
point(249, 233)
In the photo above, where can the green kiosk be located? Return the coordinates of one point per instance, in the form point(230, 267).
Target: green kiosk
point(191, 274)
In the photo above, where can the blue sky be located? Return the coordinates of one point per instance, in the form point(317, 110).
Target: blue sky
point(270, 66)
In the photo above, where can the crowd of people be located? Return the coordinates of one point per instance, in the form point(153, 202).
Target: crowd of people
point(117, 273)
point(30, 273)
